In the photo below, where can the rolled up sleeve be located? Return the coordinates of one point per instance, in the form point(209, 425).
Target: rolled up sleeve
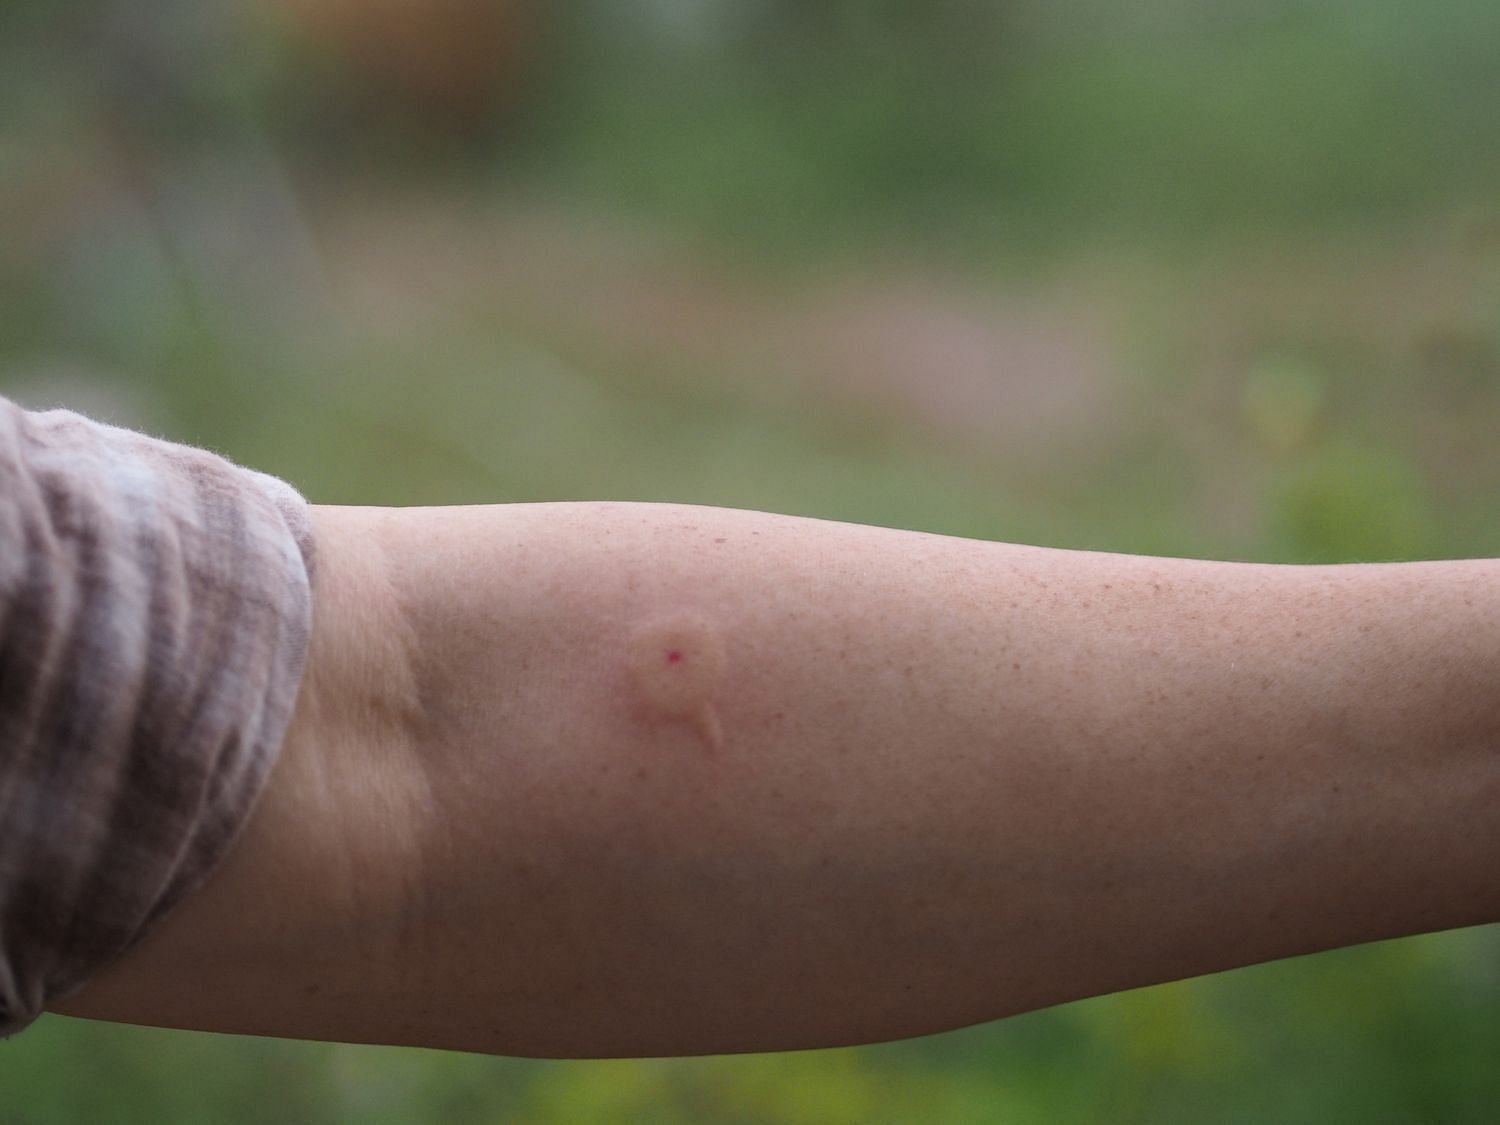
point(155, 605)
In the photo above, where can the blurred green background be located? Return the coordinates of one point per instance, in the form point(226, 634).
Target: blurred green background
point(1212, 279)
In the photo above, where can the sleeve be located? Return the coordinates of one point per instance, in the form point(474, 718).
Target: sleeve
point(155, 605)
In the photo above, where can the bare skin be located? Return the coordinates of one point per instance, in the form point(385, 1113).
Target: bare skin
point(904, 783)
point(676, 667)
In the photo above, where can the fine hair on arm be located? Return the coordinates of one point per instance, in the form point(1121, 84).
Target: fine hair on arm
point(633, 779)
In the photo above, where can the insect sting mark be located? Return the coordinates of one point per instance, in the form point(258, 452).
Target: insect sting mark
point(677, 664)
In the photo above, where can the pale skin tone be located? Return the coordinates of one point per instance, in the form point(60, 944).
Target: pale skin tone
point(901, 783)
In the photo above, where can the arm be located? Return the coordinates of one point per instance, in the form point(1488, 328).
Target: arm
point(920, 782)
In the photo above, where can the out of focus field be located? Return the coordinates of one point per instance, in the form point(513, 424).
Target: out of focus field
point(1216, 279)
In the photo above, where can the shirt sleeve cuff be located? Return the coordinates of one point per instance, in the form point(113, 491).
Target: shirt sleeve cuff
point(155, 607)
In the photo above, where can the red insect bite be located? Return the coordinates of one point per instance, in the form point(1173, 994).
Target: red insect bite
point(674, 657)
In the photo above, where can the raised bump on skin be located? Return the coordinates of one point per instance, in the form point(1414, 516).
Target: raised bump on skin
point(677, 665)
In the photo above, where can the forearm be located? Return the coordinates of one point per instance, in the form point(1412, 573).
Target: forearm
point(938, 781)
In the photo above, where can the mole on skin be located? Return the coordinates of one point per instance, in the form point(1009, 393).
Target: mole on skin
point(677, 664)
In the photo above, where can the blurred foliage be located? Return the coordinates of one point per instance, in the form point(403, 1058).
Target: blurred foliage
point(825, 120)
point(1348, 503)
point(1203, 279)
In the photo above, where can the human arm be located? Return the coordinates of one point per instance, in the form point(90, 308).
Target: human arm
point(945, 781)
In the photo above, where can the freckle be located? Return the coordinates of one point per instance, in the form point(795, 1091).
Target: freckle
point(721, 540)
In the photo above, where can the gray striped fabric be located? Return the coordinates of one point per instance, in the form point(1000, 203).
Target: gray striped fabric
point(155, 604)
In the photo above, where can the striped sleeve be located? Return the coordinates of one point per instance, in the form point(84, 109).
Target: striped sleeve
point(155, 606)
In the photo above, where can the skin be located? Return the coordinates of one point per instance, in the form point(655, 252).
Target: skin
point(676, 667)
point(896, 783)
